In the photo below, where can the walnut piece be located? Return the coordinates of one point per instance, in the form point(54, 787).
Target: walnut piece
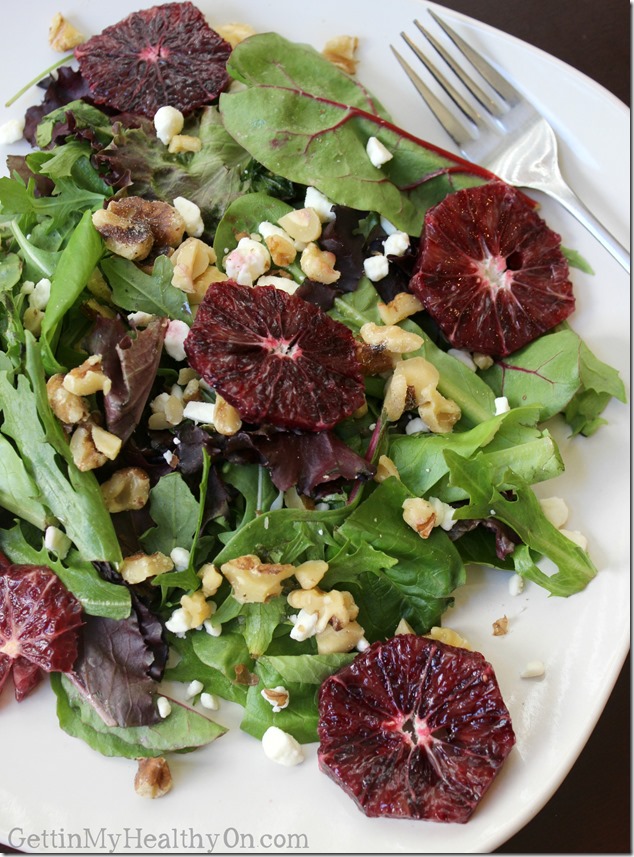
point(501, 627)
point(68, 407)
point(254, 581)
point(153, 778)
point(128, 488)
point(341, 50)
point(62, 36)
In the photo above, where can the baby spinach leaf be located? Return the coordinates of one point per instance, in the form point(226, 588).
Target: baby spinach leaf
point(308, 121)
point(302, 676)
point(245, 215)
point(510, 440)
point(419, 585)
point(174, 510)
point(98, 597)
point(190, 668)
point(134, 290)
point(524, 515)
point(184, 729)
point(260, 622)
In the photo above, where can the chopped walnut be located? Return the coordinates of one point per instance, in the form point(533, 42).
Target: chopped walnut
point(196, 608)
point(227, 420)
point(319, 265)
point(302, 224)
point(448, 636)
point(123, 237)
point(211, 579)
point(501, 627)
point(414, 383)
point(385, 469)
point(336, 607)
point(153, 778)
point(87, 378)
point(399, 308)
point(375, 359)
point(132, 226)
point(419, 514)
point(404, 627)
point(139, 566)
point(85, 454)
point(184, 143)
point(309, 573)
point(390, 336)
point(128, 488)
point(331, 640)
point(68, 407)
point(235, 33)
point(254, 581)
point(191, 260)
point(62, 36)
point(341, 50)
point(282, 250)
point(167, 225)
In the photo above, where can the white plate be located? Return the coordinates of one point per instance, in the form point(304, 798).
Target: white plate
point(55, 783)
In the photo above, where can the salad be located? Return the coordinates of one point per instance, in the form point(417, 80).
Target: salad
point(264, 514)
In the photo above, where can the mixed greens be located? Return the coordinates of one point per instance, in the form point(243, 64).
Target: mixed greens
point(286, 497)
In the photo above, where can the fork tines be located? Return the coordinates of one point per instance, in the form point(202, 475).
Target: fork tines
point(508, 96)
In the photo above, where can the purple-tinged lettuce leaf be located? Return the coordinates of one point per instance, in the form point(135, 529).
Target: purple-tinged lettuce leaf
point(130, 362)
point(112, 672)
point(69, 85)
point(313, 462)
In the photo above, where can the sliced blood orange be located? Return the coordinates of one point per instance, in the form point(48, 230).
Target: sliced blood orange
point(166, 55)
point(490, 271)
point(39, 625)
point(414, 728)
point(275, 357)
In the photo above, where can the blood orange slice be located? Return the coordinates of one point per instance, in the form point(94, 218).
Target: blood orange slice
point(414, 728)
point(39, 624)
point(166, 55)
point(490, 271)
point(276, 358)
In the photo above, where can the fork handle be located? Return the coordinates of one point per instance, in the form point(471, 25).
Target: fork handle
point(571, 202)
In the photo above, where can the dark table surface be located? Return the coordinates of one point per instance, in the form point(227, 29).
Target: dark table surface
point(590, 812)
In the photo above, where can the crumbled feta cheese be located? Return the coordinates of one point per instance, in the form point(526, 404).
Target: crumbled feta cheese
point(247, 262)
point(11, 131)
point(268, 229)
point(362, 645)
point(41, 293)
point(316, 200)
point(281, 283)
point(396, 244)
point(376, 267)
point(199, 412)
point(377, 152)
point(444, 513)
point(180, 558)
point(210, 701)
point(168, 122)
point(140, 319)
point(164, 706)
point(190, 213)
point(501, 405)
point(281, 747)
point(178, 623)
point(169, 457)
point(463, 357)
point(533, 669)
point(56, 541)
point(575, 536)
point(304, 625)
point(416, 425)
point(555, 510)
point(194, 688)
point(516, 584)
point(175, 336)
point(211, 629)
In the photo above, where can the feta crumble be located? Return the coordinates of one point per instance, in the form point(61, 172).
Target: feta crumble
point(377, 152)
point(281, 747)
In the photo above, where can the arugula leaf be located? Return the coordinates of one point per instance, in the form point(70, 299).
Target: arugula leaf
point(308, 121)
point(18, 490)
point(73, 496)
point(98, 597)
point(73, 270)
point(174, 510)
point(191, 668)
point(184, 729)
point(134, 290)
point(524, 515)
point(260, 622)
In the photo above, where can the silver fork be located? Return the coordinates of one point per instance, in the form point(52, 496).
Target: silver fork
point(512, 139)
